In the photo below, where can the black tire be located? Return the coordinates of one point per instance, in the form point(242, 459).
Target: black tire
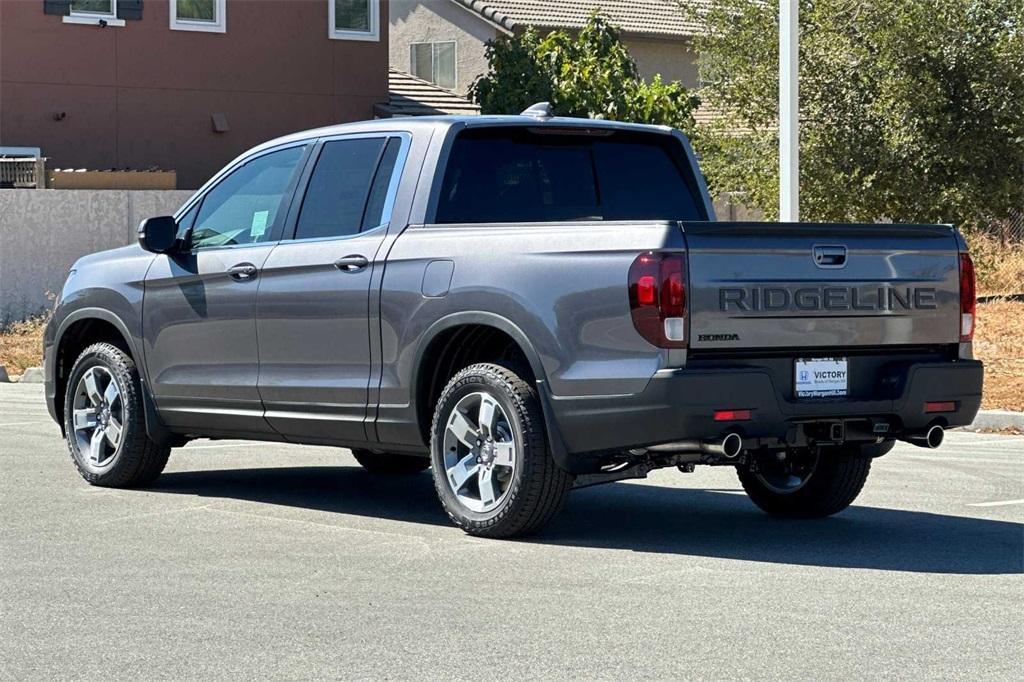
point(389, 463)
point(538, 487)
point(835, 479)
point(137, 460)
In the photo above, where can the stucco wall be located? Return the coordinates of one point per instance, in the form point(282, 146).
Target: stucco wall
point(414, 21)
point(42, 232)
point(143, 95)
point(672, 59)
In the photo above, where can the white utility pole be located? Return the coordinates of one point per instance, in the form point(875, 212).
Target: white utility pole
point(789, 110)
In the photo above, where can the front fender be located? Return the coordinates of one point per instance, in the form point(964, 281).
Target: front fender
point(62, 324)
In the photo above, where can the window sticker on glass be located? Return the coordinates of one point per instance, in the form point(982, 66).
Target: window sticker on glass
point(259, 224)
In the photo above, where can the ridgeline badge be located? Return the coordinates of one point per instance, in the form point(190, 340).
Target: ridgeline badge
point(884, 298)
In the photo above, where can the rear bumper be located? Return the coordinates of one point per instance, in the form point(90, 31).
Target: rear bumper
point(680, 404)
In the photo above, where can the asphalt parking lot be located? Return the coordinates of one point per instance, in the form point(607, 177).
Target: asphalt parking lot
point(261, 560)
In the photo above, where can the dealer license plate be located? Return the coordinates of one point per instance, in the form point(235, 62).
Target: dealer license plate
point(821, 377)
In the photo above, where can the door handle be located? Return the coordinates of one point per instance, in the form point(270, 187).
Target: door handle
point(353, 263)
point(830, 256)
point(242, 272)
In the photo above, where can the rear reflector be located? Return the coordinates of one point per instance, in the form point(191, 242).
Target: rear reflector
point(732, 415)
point(948, 406)
point(968, 298)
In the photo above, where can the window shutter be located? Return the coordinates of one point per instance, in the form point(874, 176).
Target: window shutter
point(59, 7)
point(129, 9)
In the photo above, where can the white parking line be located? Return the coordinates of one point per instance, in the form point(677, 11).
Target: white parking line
point(1003, 503)
point(964, 442)
point(21, 423)
point(970, 460)
point(232, 445)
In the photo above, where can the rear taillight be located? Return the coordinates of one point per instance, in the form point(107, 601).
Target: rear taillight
point(968, 299)
point(657, 298)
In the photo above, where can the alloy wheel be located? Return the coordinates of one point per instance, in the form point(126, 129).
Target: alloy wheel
point(479, 452)
point(98, 418)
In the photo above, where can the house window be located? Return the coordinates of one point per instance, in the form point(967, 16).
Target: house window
point(94, 7)
point(199, 15)
point(93, 12)
point(354, 19)
point(434, 62)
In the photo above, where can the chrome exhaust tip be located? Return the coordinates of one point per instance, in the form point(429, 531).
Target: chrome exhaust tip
point(935, 436)
point(732, 445)
point(931, 439)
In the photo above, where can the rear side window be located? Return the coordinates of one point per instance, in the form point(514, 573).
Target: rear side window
point(376, 206)
point(516, 175)
point(338, 191)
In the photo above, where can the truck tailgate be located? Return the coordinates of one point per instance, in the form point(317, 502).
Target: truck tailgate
point(807, 285)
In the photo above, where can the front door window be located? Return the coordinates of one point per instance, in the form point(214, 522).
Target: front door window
point(245, 207)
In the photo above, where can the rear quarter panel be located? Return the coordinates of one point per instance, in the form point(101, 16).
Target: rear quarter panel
point(562, 285)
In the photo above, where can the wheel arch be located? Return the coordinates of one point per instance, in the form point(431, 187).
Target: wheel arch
point(83, 328)
point(436, 361)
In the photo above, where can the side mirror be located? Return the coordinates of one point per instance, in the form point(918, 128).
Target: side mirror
point(158, 235)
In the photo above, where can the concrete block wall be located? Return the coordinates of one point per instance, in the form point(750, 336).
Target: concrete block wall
point(730, 208)
point(42, 232)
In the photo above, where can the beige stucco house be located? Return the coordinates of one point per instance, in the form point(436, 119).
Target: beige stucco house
point(443, 41)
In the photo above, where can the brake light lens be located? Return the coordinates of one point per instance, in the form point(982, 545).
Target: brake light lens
point(968, 298)
point(657, 298)
point(647, 290)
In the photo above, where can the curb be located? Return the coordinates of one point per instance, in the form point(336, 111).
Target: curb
point(996, 420)
point(32, 375)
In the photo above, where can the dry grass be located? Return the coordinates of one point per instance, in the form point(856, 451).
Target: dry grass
point(999, 267)
point(21, 345)
point(999, 339)
point(999, 342)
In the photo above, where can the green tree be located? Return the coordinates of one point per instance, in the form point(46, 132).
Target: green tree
point(910, 110)
point(589, 74)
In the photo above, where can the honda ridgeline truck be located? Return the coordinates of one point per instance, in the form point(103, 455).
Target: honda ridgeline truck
point(523, 304)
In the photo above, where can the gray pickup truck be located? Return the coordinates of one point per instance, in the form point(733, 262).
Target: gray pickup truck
point(525, 304)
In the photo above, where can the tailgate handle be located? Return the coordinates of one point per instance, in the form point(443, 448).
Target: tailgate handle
point(830, 256)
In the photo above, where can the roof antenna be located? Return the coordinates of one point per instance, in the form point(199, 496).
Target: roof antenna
point(539, 110)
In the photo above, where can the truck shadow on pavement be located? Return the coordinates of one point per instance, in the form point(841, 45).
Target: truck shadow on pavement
point(656, 519)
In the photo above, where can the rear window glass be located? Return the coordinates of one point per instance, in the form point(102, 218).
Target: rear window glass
point(502, 175)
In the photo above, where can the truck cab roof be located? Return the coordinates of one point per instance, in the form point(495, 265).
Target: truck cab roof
point(445, 123)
